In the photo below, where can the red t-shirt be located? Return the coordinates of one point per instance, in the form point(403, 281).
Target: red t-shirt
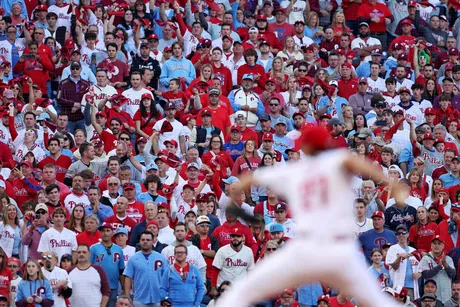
point(220, 118)
point(179, 99)
point(422, 238)
point(110, 141)
point(5, 281)
point(247, 134)
point(206, 246)
point(61, 164)
point(419, 193)
point(119, 73)
point(347, 87)
point(334, 303)
point(122, 115)
point(87, 238)
point(281, 31)
point(225, 76)
point(147, 129)
point(379, 10)
point(135, 211)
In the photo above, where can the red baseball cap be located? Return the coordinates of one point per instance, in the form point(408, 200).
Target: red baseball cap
point(129, 186)
point(142, 139)
point(378, 214)
point(404, 90)
point(152, 222)
point(412, 3)
point(235, 127)
point(406, 22)
point(172, 142)
point(347, 65)
point(100, 113)
point(120, 35)
point(267, 137)
point(453, 51)
point(202, 197)
point(237, 231)
point(152, 36)
point(261, 17)
point(362, 80)
point(146, 95)
point(430, 111)
point(428, 136)
point(323, 298)
point(25, 162)
point(206, 113)
point(439, 238)
point(42, 7)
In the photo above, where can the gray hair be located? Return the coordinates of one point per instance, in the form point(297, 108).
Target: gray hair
point(114, 178)
point(125, 297)
point(370, 182)
point(92, 216)
point(440, 127)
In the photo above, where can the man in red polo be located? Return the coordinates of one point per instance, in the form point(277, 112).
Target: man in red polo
point(347, 85)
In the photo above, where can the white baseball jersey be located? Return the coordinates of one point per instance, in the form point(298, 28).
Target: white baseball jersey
point(233, 265)
point(392, 101)
point(5, 135)
point(182, 209)
point(413, 113)
point(73, 199)
point(311, 188)
point(55, 276)
point(363, 43)
point(297, 12)
point(190, 41)
point(233, 66)
point(128, 251)
point(193, 255)
point(14, 288)
point(423, 105)
point(134, 100)
point(405, 83)
point(22, 150)
point(86, 56)
point(376, 86)
point(359, 228)
point(63, 16)
point(62, 243)
point(6, 50)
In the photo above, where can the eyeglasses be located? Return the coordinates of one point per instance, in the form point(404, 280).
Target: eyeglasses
point(39, 33)
point(112, 184)
point(274, 104)
point(124, 139)
point(11, 32)
point(180, 253)
point(401, 233)
point(13, 266)
point(271, 249)
point(204, 225)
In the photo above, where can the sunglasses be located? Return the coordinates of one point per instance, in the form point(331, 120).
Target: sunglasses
point(107, 249)
point(13, 266)
point(401, 233)
point(124, 139)
point(274, 104)
point(75, 68)
point(302, 70)
point(112, 184)
point(44, 257)
point(271, 249)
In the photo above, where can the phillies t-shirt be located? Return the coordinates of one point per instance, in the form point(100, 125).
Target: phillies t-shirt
point(61, 164)
point(62, 243)
point(119, 72)
point(134, 211)
point(233, 265)
point(73, 199)
point(281, 31)
point(205, 244)
point(5, 280)
point(179, 99)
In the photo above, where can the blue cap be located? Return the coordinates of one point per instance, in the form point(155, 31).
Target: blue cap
point(276, 228)
point(248, 76)
point(43, 116)
point(281, 120)
point(122, 230)
point(151, 166)
point(230, 180)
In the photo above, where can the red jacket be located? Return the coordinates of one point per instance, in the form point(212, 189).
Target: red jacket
point(347, 87)
point(87, 238)
point(38, 70)
point(24, 189)
point(222, 233)
point(442, 230)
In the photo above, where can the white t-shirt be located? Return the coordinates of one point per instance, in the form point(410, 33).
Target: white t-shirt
point(193, 255)
point(62, 243)
point(134, 100)
point(166, 235)
point(72, 200)
point(55, 276)
point(173, 135)
point(359, 228)
point(128, 251)
point(86, 56)
point(14, 288)
point(233, 265)
point(63, 16)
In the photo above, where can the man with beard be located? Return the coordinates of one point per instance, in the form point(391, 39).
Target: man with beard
point(364, 44)
point(247, 101)
point(448, 229)
point(455, 299)
point(411, 111)
point(59, 279)
point(379, 105)
point(146, 275)
point(86, 293)
point(77, 195)
point(110, 257)
point(232, 261)
point(299, 120)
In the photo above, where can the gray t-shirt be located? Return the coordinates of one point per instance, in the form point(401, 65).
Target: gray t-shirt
point(433, 159)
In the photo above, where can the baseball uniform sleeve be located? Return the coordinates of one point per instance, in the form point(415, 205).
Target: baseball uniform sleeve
point(218, 259)
point(129, 270)
point(391, 256)
point(43, 245)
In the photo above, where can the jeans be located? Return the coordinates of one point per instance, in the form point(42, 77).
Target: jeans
point(112, 298)
point(72, 126)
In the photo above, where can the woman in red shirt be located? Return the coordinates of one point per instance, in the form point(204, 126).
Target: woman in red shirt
point(5, 275)
point(248, 161)
point(146, 117)
point(423, 231)
point(217, 155)
point(417, 189)
point(339, 27)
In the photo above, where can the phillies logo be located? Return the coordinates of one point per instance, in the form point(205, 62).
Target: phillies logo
point(3, 50)
point(236, 263)
point(7, 234)
point(116, 257)
point(62, 243)
point(134, 102)
point(85, 58)
point(63, 16)
point(20, 153)
point(157, 265)
point(380, 242)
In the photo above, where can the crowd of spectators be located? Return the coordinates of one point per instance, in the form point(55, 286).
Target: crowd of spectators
point(126, 124)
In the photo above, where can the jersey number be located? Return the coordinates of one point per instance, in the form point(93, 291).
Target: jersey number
point(315, 192)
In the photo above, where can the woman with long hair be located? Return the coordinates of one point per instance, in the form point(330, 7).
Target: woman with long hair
point(360, 122)
point(259, 192)
point(362, 150)
point(312, 28)
point(249, 160)
point(278, 73)
point(318, 93)
point(5, 274)
point(140, 10)
point(206, 75)
point(127, 24)
point(34, 289)
point(322, 75)
point(69, 143)
point(417, 189)
point(147, 115)
point(261, 235)
point(77, 219)
point(17, 91)
point(216, 155)
point(80, 138)
point(435, 187)
point(347, 119)
point(339, 26)
point(121, 40)
point(378, 269)
point(10, 231)
point(290, 54)
point(452, 128)
point(430, 91)
point(421, 234)
point(433, 215)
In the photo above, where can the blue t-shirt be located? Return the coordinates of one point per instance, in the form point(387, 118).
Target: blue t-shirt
point(235, 150)
point(371, 239)
point(110, 259)
point(408, 280)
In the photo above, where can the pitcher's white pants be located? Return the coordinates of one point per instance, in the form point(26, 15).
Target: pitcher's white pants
point(303, 261)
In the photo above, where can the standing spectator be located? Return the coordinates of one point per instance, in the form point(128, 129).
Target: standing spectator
point(111, 259)
point(59, 279)
point(33, 233)
point(177, 67)
point(448, 229)
point(90, 286)
point(423, 231)
point(403, 265)
point(120, 218)
point(90, 234)
point(400, 213)
point(70, 95)
point(5, 275)
point(361, 101)
point(34, 289)
point(246, 101)
point(232, 261)
point(144, 275)
point(377, 237)
point(182, 282)
point(377, 16)
point(438, 266)
point(58, 239)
